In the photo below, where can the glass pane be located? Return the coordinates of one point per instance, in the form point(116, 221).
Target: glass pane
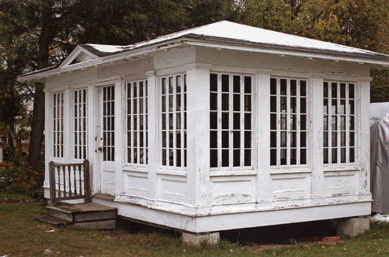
point(178, 158)
point(236, 102)
point(352, 155)
point(213, 120)
point(225, 120)
point(352, 106)
point(164, 86)
point(351, 91)
point(334, 155)
point(325, 139)
point(343, 155)
point(178, 84)
point(225, 158)
point(225, 139)
point(303, 105)
point(178, 140)
point(293, 156)
point(236, 80)
point(273, 121)
point(273, 157)
point(247, 157)
point(303, 156)
point(247, 103)
point(325, 160)
point(213, 101)
point(247, 85)
point(303, 88)
point(293, 87)
point(236, 158)
point(225, 83)
point(170, 85)
point(293, 104)
point(283, 87)
point(247, 120)
point(225, 102)
point(213, 159)
point(325, 123)
point(342, 90)
point(303, 139)
point(284, 125)
point(247, 139)
point(273, 86)
point(273, 104)
point(236, 142)
point(293, 139)
point(325, 89)
point(283, 139)
point(273, 139)
point(303, 121)
point(334, 92)
point(213, 82)
point(236, 120)
point(334, 139)
point(213, 139)
point(171, 156)
point(283, 156)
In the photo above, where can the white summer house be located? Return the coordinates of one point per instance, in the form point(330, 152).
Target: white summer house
point(218, 127)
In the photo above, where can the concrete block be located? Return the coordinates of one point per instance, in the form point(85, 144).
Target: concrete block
point(352, 226)
point(197, 239)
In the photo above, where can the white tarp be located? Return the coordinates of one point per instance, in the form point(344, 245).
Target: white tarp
point(379, 156)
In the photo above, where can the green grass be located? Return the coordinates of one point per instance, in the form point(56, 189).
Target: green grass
point(21, 235)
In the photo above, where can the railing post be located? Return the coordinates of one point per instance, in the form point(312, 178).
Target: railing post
point(52, 183)
point(87, 182)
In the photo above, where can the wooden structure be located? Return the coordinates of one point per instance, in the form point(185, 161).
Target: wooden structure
point(69, 181)
point(219, 127)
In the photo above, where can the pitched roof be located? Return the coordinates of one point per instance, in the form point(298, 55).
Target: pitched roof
point(222, 34)
point(231, 32)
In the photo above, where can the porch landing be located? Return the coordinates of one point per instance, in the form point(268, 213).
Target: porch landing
point(85, 215)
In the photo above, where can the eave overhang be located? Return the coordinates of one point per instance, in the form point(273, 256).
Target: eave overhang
point(373, 59)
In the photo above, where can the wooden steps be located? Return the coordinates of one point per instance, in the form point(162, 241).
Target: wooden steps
point(86, 215)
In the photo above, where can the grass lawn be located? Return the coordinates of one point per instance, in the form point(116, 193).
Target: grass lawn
point(21, 235)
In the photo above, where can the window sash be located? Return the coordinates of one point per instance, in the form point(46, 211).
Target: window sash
point(108, 118)
point(339, 122)
point(137, 122)
point(174, 121)
point(58, 124)
point(288, 122)
point(231, 121)
point(80, 129)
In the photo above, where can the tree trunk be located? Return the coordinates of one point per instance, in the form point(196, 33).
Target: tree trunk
point(38, 119)
point(37, 126)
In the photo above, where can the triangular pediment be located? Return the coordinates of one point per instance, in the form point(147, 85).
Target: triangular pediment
point(78, 56)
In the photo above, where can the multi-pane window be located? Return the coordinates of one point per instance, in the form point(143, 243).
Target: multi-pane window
point(173, 119)
point(137, 126)
point(80, 124)
point(58, 124)
point(173, 100)
point(230, 120)
point(288, 121)
point(339, 122)
point(108, 123)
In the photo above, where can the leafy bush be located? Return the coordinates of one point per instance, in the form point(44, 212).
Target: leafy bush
point(17, 177)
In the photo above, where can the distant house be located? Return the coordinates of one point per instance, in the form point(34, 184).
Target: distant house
point(219, 127)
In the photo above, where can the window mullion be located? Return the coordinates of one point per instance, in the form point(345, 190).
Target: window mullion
point(242, 117)
point(288, 127)
point(298, 123)
point(219, 120)
point(278, 122)
point(339, 132)
point(230, 123)
point(347, 121)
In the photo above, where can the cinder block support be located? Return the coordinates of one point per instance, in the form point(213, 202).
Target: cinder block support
point(353, 226)
point(197, 239)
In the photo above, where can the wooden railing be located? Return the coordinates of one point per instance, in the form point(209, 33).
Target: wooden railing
point(69, 181)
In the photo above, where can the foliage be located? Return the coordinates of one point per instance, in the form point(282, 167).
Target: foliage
point(356, 23)
point(16, 176)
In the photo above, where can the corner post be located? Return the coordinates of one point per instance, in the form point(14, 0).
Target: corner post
point(52, 183)
point(87, 182)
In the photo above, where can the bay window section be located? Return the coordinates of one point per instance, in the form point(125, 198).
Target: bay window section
point(80, 133)
point(339, 123)
point(58, 124)
point(137, 122)
point(230, 121)
point(288, 122)
point(174, 121)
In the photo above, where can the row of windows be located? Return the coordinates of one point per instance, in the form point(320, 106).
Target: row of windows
point(231, 122)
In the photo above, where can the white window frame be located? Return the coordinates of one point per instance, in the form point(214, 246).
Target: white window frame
point(222, 122)
point(339, 137)
point(137, 122)
point(173, 117)
point(80, 123)
point(58, 123)
point(108, 119)
point(280, 129)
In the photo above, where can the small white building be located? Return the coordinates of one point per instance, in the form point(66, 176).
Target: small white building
point(219, 127)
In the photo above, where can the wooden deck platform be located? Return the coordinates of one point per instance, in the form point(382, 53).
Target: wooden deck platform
point(86, 215)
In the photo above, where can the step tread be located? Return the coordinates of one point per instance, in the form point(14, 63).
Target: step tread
point(53, 220)
point(81, 207)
